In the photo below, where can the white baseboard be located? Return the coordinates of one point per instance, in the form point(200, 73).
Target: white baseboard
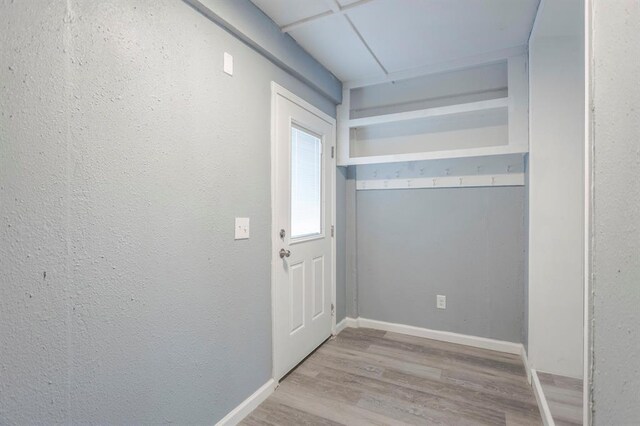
point(463, 339)
point(545, 413)
point(444, 336)
point(351, 322)
point(525, 361)
point(248, 405)
point(341, 326)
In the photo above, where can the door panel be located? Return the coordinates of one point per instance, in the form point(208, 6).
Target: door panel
point(303, 250)
point(296, 299)
point(318, 286)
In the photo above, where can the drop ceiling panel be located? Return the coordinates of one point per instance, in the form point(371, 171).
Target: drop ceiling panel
point(284, 12)
point(418, 32)
point(348, 2)
point(403, 34)
point(332, 42)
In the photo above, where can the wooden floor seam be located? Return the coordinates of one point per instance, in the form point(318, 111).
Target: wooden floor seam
point(375, 377)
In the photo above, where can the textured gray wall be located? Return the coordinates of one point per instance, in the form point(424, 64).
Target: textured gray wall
point(465, 243)
point(616, 226)
point(125, 154)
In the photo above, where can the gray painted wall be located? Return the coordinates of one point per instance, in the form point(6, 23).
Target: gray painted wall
point(466, 243)
point(125, 154)
point(341, 243)
point(616, 213)
point(351, 291)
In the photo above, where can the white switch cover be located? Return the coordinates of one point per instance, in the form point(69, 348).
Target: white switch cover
point(242, 228)
point(441, 301)
point(228, 63)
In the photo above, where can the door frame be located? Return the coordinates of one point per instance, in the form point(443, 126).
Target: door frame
point(277, 90)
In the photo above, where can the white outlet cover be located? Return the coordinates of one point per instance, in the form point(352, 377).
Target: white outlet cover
point(228, 63)
point(441, 301)
point(242, 228)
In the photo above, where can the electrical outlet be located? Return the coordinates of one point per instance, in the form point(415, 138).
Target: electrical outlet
point(441, 301)
point(242, 228)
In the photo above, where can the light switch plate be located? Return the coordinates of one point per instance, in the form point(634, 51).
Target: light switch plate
point(441, 301)
point(242, 228)
point(228, 63)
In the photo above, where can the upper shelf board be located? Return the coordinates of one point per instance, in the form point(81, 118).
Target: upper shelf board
point(450, 110)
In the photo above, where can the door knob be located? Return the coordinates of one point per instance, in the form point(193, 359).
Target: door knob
point(284, 253)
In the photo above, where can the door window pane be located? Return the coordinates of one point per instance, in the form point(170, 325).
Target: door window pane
point(306, 184)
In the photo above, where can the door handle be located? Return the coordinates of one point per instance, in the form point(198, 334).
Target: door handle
point(284, 253)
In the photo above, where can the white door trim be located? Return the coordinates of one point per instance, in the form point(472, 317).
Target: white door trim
point(587, 312)
point(277, 90)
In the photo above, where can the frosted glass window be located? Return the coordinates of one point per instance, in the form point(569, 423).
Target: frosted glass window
point(306, 184)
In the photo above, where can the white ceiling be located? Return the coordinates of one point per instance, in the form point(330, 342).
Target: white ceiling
point(357, 39)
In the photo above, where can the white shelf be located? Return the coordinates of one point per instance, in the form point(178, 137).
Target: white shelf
point(450, 110)
point(438, 133)
point(439, 155)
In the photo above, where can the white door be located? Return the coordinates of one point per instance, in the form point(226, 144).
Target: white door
point(303, 176)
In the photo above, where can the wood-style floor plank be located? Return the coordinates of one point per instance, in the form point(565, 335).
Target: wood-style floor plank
point(564, 397)
point(373, 377)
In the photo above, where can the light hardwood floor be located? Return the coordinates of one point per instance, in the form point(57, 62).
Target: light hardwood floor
point(374, 377)
point(564, 397)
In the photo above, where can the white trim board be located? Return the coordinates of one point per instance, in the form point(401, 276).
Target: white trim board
point(285, 93)
point(588, 217)
point(525, 361)
point(511, 179)
point(341, 326)
point(348, 322)
point(545, 412)
point(444, 336)
point(248, 405)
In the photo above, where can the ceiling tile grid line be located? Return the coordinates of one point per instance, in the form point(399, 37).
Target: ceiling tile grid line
point(297, 24)
point(333, 5)
point(367, 41)
point(366, 45)
point(339, 10)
